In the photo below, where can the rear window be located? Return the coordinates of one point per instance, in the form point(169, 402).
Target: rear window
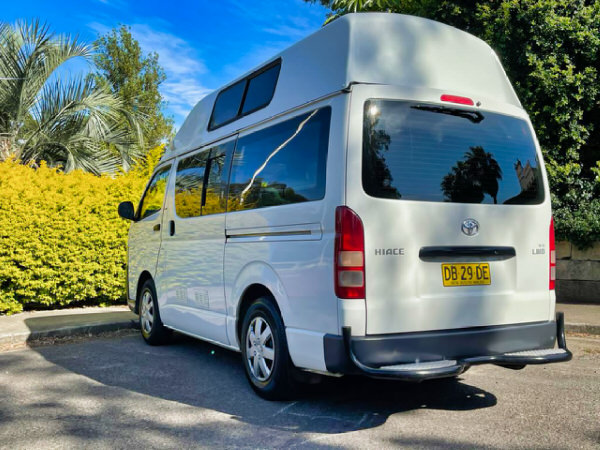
point(436, 153)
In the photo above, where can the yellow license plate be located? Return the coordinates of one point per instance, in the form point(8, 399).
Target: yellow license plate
point(466, 274)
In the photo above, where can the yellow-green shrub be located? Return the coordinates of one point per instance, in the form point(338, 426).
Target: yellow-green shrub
point(61, 240)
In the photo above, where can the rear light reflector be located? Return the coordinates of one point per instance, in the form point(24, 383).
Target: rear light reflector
point(552, 259)
point(349, 277)
point(457, 99)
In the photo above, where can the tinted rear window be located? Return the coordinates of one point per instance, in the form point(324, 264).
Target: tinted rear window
point(418, 151)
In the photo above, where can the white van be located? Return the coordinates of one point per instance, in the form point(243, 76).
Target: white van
point(371, 201)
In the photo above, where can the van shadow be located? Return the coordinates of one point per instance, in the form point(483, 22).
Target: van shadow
point(201, 375)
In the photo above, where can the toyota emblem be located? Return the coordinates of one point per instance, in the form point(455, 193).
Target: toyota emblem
point(470, 227)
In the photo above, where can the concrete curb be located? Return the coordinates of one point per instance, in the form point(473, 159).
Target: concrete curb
point(585, 328)
point(79, 330)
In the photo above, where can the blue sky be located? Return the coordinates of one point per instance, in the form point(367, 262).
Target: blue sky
point(201, 44)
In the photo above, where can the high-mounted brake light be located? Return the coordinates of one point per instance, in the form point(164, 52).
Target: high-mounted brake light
point(349, 254)
point(457, 99)
point(552, 256)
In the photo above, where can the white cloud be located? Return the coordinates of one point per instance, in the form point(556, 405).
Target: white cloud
point(118, 4)
point(184, 91)
point(292, 28)
point(175, 54)
point(287, 31)
point(183, 67)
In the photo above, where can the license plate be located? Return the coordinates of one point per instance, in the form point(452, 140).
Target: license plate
point(466, 274)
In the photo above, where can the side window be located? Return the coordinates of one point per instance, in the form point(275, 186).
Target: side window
point(189, 181)
point(215, 196)
point(261, 89)
point(227, 105)
point(282, 164)
point(246, 96)
point(152, 200)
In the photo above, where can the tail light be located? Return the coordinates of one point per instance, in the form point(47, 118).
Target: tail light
point(349, 254)
point(552, 255)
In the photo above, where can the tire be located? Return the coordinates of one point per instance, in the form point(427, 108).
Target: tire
point(151, 326)
point(266, 358)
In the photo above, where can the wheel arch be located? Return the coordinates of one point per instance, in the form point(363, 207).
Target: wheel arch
point(144, 276)
point(250, 294)
point(254, 280)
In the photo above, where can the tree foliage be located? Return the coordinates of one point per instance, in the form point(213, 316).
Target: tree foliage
point(550, 50)
point(45, 117)
point(134, 78)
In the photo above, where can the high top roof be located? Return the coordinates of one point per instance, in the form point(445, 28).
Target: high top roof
point(372, 48)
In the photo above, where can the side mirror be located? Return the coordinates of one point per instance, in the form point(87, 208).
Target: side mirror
point(126, 210)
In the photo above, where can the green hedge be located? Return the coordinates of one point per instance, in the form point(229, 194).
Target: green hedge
point(61, 240)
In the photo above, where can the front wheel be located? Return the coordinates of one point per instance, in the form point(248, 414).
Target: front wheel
point(265, 353)
point(153, 330)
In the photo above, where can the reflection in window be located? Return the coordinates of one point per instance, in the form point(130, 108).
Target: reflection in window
point(282, 164)
point(446, 154)
point(473, 177)
point(188, 185)
point(154, 196)
point(215, 197)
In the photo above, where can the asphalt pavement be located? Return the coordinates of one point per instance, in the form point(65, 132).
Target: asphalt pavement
point(121, 393)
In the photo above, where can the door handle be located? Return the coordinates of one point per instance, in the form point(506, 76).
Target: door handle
point(157, 227)
point(171, 227)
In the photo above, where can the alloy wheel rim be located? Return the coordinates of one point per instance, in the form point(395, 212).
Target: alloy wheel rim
point(260, 349)
point(147, 315)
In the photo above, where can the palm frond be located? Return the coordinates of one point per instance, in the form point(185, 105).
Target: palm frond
point(29, 55)
point(71, 123)
point(84, 120)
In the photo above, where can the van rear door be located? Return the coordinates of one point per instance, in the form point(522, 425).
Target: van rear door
point(456, 216)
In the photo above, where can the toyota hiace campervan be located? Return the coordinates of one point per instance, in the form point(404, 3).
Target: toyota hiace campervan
point(372, 200)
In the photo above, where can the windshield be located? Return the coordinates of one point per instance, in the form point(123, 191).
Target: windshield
point(419, 151)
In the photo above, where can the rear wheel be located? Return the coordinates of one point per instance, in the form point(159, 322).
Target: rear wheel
point(265, 353)
point(153, 330)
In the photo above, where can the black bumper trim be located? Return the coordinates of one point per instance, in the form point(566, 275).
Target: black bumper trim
point(351, 363)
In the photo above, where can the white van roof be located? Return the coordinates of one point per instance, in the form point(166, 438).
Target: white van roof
point(370, 48)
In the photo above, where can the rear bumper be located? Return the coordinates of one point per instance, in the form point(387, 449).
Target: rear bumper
point(420, 356)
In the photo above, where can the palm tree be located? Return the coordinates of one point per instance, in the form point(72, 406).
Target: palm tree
point(69, 123)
